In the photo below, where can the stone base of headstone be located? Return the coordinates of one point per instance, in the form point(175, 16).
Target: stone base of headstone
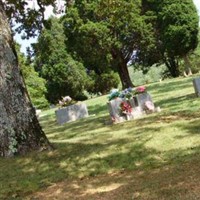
point(137, 112)
point(196, 84)
point(71, 113)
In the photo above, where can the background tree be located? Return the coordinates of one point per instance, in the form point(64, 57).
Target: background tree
point(175, 26)
point(64, 75)
point(35, 84)
point(20, 131)
point(106, 32)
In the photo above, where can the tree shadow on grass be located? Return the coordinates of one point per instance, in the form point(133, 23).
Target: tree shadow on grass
point(166, 183)
point(98, 109)
point(175, 179)
point(175, 103)
point(165, 87)
point(36, 171)
point(77, 128)
point(68, 160)
point(192, 128)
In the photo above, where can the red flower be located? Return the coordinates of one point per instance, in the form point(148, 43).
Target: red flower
point(125, 107)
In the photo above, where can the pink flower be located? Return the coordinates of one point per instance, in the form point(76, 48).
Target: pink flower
point(141, 89)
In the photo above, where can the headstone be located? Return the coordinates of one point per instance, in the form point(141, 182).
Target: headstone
point(143, 100)
point(137, 110)
point(71, 113)
point(141, 104)
point(196, 84)
point(115, 113)
point(134, 102)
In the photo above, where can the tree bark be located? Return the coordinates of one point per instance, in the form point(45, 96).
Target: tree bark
point(188, 71)
point(173, 67)
point(20, 131)
point(122, 70)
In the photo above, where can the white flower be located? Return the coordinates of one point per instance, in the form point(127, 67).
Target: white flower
point(67, 99)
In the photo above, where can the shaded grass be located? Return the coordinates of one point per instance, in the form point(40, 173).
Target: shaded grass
point(89, 147)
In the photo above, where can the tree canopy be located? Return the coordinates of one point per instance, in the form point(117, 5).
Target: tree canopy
point(105, 33)
point(175, 25)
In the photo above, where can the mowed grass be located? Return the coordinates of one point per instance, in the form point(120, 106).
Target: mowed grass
point(92, 147)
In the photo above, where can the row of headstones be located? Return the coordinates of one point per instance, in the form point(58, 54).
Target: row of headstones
point(138, 104)
point(77, 111)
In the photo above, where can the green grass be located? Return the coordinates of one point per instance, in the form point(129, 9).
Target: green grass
point(89, 147)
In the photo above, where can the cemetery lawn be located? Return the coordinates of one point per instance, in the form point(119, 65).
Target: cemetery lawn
point(155, 157)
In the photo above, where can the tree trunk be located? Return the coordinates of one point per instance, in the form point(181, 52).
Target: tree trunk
point(20, 131)
point(122, 70)
point(173, 67)
point(188, 71)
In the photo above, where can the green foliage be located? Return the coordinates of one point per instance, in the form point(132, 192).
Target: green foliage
point(103, 34)
point(103, 83)
point(178, 27)
point(175, 26)
point(154, 74)
point(137, 76)
point(36, 88)
point(64, 75)
point(195, 58)
point(30, 20)
point(107, 81)
point(35, 84)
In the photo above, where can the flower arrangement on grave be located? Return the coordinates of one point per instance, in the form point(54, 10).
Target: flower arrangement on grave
point(140, 89)
point(125, 108)
point(114, 93)
point(127, 93)
point(66, 101)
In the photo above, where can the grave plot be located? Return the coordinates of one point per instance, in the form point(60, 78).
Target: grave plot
point(70, 111)
point(131, 103)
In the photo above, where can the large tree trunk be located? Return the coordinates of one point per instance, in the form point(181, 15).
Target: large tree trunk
point(122, 70)
point(20, 131)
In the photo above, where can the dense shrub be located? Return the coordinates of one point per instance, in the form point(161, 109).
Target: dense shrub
point(103, 83)
point(36, 87)
point(107, 81)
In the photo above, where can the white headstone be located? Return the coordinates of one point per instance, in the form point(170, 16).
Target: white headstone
point(196, 84)
point(143, 100)
point(114, 109)
point(71, 113)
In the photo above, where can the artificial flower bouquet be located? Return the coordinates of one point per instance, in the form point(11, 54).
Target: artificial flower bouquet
point(66, 101)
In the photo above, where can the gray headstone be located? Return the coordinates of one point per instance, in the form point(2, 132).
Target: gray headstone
point(136, 109)
point(142, 99)
point(71, 113)
point(113, 106)
point(196, 84)
point(141, 105)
